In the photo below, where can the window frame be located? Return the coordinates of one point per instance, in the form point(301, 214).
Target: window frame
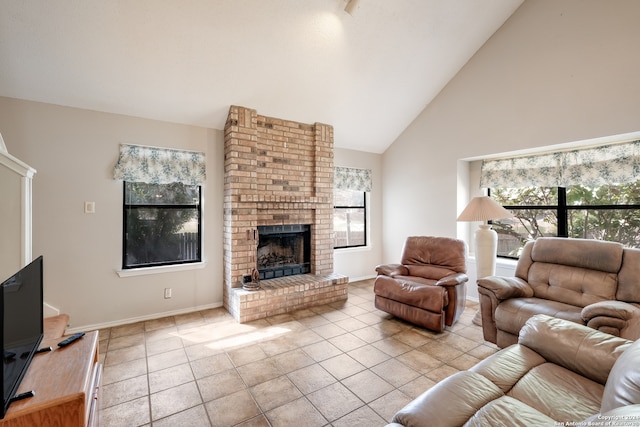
point(126, 207)
point(366, 220)
point(562, 209)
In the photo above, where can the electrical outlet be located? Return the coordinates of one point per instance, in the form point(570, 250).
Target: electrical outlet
point(89, 207)
point(167, 293)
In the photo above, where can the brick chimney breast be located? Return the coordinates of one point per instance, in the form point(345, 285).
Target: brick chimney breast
point(277, 172)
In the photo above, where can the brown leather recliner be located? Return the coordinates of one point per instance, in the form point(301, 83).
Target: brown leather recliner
point(592, 282)
point(428, 287)
point(559, 373)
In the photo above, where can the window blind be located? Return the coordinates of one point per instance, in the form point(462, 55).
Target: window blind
point(155, 165)
point(607, 164)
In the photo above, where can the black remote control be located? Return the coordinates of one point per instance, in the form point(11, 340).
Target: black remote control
point(21, 396)
point(71, 339)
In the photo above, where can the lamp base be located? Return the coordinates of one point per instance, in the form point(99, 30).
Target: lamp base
point(486, 249)
point(477, 318)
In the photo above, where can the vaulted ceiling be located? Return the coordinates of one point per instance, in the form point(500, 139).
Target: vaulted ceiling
point(368, 74)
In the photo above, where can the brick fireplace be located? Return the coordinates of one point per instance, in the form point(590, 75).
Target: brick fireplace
point(278, 173)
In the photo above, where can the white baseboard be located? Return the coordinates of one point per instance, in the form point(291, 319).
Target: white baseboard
point(154, 316)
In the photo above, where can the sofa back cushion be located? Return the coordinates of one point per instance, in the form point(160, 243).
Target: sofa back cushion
point(586, 253)
point(573, 271)
point(434, 257)
point(588, 352)
point(623, 385)
point(571, 285)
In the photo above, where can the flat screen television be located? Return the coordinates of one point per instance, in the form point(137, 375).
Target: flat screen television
point(22, 327)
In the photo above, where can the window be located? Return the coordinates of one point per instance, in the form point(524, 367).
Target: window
point(349, 218)
point(162, 209)
point(603, 212)
point(590, 193)
point(162, 224)
point(351, 186)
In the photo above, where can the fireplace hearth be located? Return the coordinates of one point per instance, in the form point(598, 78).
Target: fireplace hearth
point(283, 250)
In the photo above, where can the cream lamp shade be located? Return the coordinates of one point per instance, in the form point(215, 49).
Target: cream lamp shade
point(483, 208)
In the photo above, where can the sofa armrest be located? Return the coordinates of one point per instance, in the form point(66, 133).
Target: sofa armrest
point(614, 309)
point(468, 391)
point(491, 291)
point(579, 348)
point(392, 270)
point(505, 287)
point(614, 317)
point(453, 280)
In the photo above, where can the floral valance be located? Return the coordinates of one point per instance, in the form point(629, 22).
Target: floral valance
point(608, 164)
point(352, 179)
point(156, 165)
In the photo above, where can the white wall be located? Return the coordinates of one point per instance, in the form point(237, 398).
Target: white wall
point(360, 263)
point(74, 152)
point(557, 71)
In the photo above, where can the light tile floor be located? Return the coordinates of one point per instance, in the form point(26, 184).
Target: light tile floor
point(343, 364)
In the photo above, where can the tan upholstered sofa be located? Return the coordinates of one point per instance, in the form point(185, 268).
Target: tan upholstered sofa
point(591, 282)
point(428, 287)
point(559, 374)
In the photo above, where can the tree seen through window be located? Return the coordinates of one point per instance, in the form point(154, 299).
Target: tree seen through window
point(606, 212)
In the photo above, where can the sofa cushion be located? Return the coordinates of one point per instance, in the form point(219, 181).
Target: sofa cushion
point(546, 385)
point(506, 367)
point(623, 384)
point(539, 373)
point(507, 411)
point(585, 253)
point(512, 314)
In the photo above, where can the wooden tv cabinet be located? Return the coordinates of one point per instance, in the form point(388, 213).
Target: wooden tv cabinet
point(66, 382)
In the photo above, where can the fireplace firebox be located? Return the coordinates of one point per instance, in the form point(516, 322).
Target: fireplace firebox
point(283, 250)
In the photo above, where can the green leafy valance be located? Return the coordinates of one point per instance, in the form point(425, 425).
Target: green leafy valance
point(352, 179)
point(608, 164)
point(156, 165)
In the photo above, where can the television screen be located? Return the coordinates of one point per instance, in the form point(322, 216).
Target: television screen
point(22, 329)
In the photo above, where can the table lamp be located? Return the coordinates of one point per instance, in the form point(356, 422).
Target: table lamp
point(483, 208)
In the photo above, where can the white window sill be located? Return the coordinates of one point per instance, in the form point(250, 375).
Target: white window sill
point(506, 262)
point(502, 262)
point(161, 269)
point(355, 249)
